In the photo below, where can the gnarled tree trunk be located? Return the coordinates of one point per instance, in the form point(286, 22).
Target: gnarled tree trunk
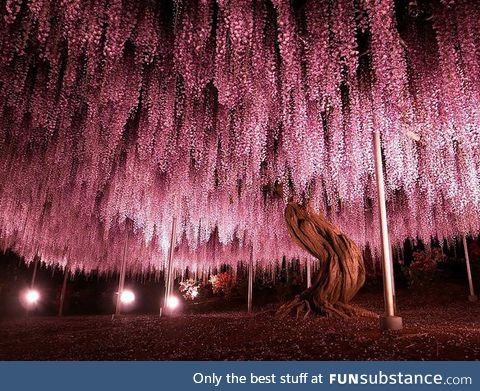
point(341, 272)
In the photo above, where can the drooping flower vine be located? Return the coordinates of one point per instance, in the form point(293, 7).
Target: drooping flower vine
point(118, 115)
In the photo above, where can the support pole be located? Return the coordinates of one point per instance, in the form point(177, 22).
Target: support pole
point(121, 280)
point(472, 296)
point(250, 282)
point(169, 279)
point(64, 289)
point(34, 275)
point(389, 321)
point(309, 274)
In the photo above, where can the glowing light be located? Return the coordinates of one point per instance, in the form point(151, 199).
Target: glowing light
point(32, 296)
point(194, 293)
point(173, 302)
point(127, 297)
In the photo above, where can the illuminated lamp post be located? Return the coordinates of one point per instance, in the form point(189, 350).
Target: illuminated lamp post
point(389, 321)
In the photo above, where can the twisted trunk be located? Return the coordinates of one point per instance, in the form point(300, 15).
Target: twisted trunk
point(341, 273)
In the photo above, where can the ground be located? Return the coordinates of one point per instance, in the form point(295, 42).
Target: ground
point(439, 325)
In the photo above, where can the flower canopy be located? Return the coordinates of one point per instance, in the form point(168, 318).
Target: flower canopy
point(118, 115)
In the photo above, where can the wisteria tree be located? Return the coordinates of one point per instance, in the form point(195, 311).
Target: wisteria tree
point(341, 273)
point(124, 110)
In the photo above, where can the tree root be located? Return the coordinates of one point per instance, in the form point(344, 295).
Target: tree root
point(302, 308)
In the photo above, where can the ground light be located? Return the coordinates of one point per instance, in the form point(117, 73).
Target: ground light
point(29, 298)
point(127, 297)
point(173, 302)
point(32, 296)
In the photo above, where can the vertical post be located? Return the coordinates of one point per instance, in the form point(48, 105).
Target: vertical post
point(250, 281)
point(287, 267)
point(389, 321)
point(472, 296)
point(455, 248)
point(169, 279)
point(309, 274)
point(64, 289)
point(121, 280)
point(34, 275)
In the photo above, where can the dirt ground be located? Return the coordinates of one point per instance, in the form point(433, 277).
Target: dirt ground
point(439, 325)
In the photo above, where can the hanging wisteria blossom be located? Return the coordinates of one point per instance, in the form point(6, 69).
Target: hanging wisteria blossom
point(117, 115)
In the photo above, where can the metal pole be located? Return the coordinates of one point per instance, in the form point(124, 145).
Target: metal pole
point(389, 321)
point(64, 289)
point(250, 281)
point(34, 275)
point(472, 296)
point(121, 280)
point(32, 283)
point(169, 280)
point(309, 274)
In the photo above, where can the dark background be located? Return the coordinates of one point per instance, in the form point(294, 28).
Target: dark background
point(94, 293)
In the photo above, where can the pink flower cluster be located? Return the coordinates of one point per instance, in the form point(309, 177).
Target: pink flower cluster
point(117, 115)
